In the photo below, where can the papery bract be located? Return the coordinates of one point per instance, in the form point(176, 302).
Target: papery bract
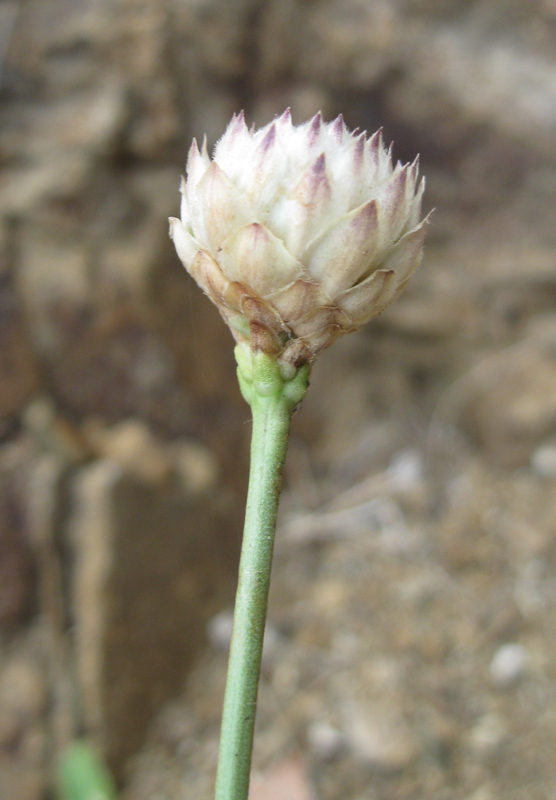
point(298, 233)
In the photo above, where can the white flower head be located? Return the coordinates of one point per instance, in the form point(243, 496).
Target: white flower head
point(298, 233)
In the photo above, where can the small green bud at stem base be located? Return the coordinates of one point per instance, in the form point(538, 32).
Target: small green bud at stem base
point(272, 398)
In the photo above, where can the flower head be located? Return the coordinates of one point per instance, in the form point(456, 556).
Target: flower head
point(298, 233)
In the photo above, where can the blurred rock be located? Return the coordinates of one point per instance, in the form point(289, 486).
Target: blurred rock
point(488, 734)
point(28, 189)
point(482, 793)
point(17, 561)
point(380, 737)
point(439, 319)
point(514, 407)
point(18, 372)
point(174, 726)
point(287, 779)
point(53, 272)
point(54, 434)
point(518, 89)
point(147, 562)
point(23, 696)
point(195, 465)
point(324, 740)
point(24, 705)
point(20, 781)
point(119, 366)
point(131, 445)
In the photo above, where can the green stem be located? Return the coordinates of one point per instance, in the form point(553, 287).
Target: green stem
point(272, 399)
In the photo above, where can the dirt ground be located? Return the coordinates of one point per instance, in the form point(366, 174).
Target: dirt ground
point(410, 649)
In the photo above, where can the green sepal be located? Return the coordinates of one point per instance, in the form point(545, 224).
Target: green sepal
point(261, 376)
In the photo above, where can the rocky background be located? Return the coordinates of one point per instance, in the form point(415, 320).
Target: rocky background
point(411, 641)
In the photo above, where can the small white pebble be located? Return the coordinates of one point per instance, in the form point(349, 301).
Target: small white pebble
point(509, 664)
point(219, 630)
point(406, 468)
point(487, 734)
point(324, 740)
point(543, 461)
point(379, 736)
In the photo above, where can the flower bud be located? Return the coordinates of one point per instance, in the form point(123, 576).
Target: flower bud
point(298, 233)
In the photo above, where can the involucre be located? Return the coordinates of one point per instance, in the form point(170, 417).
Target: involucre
point(298, 234)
